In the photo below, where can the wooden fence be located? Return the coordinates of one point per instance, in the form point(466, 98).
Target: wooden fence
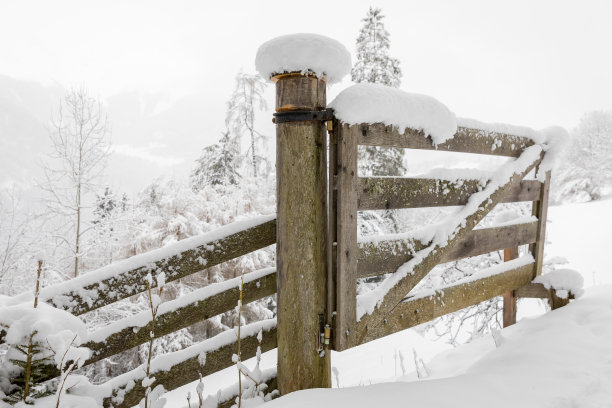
point(181, 367)
point(319, 257)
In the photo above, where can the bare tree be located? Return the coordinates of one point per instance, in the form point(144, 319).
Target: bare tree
point(13, 229)
point(80, 141)
point(240, 119)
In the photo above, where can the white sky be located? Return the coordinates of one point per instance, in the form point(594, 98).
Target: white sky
point(533, 63)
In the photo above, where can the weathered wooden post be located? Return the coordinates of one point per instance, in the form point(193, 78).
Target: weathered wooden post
point(300, 66)
point(301, 245)
point(510, 297)
point(540, 210)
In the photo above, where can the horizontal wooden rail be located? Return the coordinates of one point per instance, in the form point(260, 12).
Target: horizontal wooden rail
point(379, 193)
point(174, 315)
point(432, 304)
point(379, 258)
point(534, 291)
point(127, 278)
point(179, 368)
point(466, 140)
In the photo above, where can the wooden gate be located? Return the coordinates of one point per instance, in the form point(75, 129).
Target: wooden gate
point(349, 193)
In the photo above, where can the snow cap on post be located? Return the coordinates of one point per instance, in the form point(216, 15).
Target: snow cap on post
point(323, 56)
point(376, 103)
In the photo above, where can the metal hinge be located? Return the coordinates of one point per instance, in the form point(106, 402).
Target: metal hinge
point(324, 336)
point(303, 116)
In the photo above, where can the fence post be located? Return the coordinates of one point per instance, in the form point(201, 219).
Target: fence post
point(510, 297)
point(301, 240)
point(540, 210)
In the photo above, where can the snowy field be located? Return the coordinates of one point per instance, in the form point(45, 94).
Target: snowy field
point(557, 359)
point(561, 359)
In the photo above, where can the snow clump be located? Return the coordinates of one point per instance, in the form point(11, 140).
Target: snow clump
point(376, 103)
point(562, 281)
point(323, 56)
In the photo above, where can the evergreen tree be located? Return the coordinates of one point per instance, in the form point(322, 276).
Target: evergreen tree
point(240, 120)
point(106, 219)
point(217, 165)
point(374, 65)
point(105, 206)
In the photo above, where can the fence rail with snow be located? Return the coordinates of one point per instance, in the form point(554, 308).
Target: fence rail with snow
point(123, 279)
point(319, 254)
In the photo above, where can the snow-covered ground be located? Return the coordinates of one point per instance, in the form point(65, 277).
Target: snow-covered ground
point(558, 359)
point(581, 234)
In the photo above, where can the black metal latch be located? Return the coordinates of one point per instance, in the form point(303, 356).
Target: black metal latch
point(303, 116)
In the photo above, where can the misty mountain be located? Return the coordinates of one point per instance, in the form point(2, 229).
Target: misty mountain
point(153, 135)
point(25, 110)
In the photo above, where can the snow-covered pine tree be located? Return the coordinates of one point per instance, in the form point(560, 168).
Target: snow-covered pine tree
point(108, 219)
point(240, 120)
point(374, 65)
point(217, 165)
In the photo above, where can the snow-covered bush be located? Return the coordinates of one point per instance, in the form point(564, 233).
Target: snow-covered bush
point(36, 337)
point(586, 168)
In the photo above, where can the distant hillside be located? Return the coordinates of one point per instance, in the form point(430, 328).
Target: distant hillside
point(25, 109)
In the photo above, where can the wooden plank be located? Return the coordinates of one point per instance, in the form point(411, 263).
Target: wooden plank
point(87, 293)
point(369, 327)
point(172, 318)
point(179, 371)
point(420, 309)
point(466, 140)
point(526, 190)
point(386, 256)
point(534, 291)
point(485, 240)
point(509, 313)
point(538, 291)
point(347, 249)
point(301, 236)
point(332, 222)
point(540, 210)
point(389, 193)
point(379, 193)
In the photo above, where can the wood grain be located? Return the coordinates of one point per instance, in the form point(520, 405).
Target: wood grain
point(540, 210)
point(380, 193)
point(466, 140)
point(347, 249)
point(301, 246)
point(386, 256)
